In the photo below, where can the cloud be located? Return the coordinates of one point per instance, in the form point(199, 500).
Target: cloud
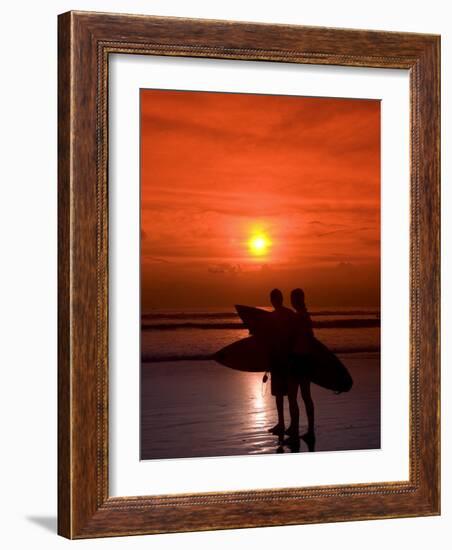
point(346, 267)
point(153, 259)
point(225, 268)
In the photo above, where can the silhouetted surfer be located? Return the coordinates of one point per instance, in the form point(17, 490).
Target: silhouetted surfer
point(298, 367)
point(280, 344)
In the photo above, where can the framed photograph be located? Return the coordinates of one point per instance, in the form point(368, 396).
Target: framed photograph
point(248, 275)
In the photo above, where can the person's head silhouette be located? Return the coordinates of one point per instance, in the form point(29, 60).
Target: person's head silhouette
point(297, 299)
point(276, 298)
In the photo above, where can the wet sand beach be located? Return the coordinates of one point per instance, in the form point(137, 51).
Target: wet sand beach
point(202, 409)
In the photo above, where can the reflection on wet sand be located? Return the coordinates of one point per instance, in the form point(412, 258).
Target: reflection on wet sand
point(200, 409)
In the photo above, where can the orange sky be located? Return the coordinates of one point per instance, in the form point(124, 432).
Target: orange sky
point(218, 168)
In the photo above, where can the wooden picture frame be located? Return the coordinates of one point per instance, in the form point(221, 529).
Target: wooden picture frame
point(85, 42)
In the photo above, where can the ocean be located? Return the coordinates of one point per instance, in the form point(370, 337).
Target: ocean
point(176, 335)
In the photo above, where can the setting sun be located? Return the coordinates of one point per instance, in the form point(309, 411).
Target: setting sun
point(258, 244)
point(297, 203)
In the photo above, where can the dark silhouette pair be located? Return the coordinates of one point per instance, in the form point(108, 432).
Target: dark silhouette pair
point(289, 362)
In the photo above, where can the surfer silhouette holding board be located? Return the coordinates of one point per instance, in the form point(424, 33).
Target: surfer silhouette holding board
point(299, 363)
point(282, 342)
point(283, 324)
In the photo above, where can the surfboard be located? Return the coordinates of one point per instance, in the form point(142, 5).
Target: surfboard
point(322, 366)
point(325, 369)
point(246, 355)
point(272, 331)
point(255, 320)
